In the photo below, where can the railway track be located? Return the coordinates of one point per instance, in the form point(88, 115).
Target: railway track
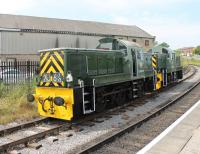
point(13, 129)
point(130, 127)
point(135, 140)
point(63, 126)
point(26, 137)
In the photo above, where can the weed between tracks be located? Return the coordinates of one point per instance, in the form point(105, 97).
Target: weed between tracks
point(14, 105)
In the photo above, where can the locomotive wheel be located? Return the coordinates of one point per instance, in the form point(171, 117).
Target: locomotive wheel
point(122, 99)
point(129, 95)
point(115, 100)
point(100, 105)
point(116, 97)
point(141, 89)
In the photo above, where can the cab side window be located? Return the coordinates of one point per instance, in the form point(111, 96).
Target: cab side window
point(122, 47)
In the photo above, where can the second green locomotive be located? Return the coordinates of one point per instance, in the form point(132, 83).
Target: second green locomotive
point(75, 82)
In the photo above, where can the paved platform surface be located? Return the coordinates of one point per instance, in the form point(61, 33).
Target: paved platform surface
point(182, 137)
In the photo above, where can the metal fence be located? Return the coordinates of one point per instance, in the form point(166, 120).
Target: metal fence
point(18, 72)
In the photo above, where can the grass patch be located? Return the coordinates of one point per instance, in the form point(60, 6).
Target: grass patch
point(14, 105)
point(185, 61)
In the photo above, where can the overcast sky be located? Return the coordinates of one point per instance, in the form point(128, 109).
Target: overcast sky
point(176, 22)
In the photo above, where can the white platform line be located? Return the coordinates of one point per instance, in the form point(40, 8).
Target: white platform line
point(167, 130)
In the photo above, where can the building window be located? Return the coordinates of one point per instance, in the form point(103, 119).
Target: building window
point(11, 59)
point(134, 40)
point(146, 42)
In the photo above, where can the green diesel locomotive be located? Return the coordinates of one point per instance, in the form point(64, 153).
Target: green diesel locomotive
point(75, 82)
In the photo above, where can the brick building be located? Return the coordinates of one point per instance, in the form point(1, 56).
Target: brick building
point(186, 51)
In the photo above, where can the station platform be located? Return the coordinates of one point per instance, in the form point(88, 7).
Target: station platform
point(182, 137)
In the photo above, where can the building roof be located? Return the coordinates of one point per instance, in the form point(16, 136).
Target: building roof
point(42, 24)
point(186, 48)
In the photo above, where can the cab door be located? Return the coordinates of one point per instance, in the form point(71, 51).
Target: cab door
point(134, 62)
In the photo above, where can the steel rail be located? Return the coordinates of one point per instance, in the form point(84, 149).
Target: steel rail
point(110, 138)
point(9, 130)
point(27, 140)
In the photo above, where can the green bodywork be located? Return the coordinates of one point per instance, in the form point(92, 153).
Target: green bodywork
point(167, 58)
point(106, 66)
point(113, 61)
point(122, 61)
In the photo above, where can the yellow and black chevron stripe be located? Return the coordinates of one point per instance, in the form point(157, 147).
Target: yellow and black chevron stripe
point(52, 62)
point(154, 62)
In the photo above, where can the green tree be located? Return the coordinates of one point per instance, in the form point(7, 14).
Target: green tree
point(164, 44)
point(197, 50)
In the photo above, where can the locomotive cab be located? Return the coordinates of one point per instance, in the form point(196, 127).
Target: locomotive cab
point(111, 44)
point(168, 65)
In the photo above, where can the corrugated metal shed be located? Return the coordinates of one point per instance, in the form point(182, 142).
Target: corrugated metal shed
point(64, 25)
